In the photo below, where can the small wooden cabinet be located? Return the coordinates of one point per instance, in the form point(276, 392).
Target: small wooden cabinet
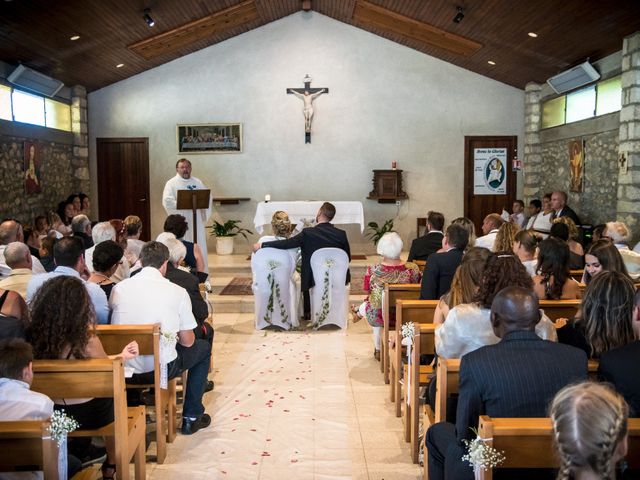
point(387, 186)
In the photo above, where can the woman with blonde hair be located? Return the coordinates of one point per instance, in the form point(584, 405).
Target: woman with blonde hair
point(570, 235)
point(590, 431)
point(469, 227)
point(525, 244)
point(132, 231)
point(505, 237)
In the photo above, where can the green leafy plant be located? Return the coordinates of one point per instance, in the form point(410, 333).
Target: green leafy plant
point(376, 232)
point(229, 228)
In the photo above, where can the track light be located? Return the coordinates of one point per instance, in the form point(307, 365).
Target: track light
point(147, 17)
point(459, 16)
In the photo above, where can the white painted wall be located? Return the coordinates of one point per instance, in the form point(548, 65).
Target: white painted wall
point(386, 102)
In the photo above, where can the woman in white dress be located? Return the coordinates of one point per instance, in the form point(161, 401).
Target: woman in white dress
point(524, 246)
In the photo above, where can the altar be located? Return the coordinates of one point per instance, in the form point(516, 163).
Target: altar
point(302, 212)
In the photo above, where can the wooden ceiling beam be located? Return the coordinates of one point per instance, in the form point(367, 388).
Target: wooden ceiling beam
point(391, 22)
point(189, 33)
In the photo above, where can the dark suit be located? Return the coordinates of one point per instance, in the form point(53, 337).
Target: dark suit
point(424, 246)
point(620, 368)
point(517, 377)
point(437, 277)
point(567, 211)
point(86, 239)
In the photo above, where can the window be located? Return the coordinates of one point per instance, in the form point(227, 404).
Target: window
point(19, 106)
point(553, 112)
point(5, 103)
point(28, 108)
point(581, 104)
point(57, 115)
point(609, 96)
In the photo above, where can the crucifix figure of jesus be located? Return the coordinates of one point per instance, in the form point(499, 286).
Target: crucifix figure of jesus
point(307, 95)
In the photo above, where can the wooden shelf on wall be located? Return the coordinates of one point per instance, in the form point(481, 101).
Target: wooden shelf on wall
point(387, 186)
point(229, 200)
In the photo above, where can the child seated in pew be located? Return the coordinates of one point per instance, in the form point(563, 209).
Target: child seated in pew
point(17, 400)
point(62, 327)
point(590, 430)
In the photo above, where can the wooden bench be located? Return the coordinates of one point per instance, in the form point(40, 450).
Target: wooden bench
point(555, 309)
point(29, 443)
point(418, 312)
point(393, 293)
point(98, 379)
point(114, 338)
point(528, 442)
point(422, 264)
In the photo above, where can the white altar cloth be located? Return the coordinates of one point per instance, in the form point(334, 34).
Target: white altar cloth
point(299, 212)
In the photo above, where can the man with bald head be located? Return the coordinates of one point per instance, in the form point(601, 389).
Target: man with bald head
point(18, 259)
point(11, 231)
point(516, 377)
point(490, 226)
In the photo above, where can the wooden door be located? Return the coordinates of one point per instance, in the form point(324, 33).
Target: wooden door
point(483, 194)
point(123, 180)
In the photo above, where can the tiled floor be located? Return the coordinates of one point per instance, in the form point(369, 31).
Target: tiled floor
point(306, 405)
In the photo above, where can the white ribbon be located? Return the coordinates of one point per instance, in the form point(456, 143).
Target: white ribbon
point(408, 342)
point(167, 346)
point(62, 457)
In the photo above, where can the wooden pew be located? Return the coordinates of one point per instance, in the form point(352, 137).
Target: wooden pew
point(114, 338)
point(576, 274)
point(528, 442)
point(29, 443)
point(393, 293)
point(422, 264)
point(555, 309)
point(418, 312)
point(98, 378)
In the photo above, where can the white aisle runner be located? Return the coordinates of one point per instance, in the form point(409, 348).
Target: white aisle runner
point(293, 406)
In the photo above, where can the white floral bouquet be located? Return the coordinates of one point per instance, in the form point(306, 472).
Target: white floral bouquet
point(61, 425)
point(480, 455)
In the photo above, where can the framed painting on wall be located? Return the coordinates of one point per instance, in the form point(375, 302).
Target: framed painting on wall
point(576, 165)
point(210, 138)
point(32, 178)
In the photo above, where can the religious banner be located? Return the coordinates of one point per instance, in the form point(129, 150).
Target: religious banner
point(576, 165)
point(489, 171)
point(32, 157)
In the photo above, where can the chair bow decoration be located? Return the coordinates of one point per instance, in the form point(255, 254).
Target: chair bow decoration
point(408, 332)
point(168, 342)
point(321, 316)
point(274, 288)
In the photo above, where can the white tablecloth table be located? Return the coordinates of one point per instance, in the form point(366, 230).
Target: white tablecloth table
point(299, 212)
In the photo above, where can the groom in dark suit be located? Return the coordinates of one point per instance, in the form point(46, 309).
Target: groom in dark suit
point(517, 377)
point(441, 267)
point(323, 235)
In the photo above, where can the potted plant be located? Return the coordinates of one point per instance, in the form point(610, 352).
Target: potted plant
point(224, 233)
point(376, 232)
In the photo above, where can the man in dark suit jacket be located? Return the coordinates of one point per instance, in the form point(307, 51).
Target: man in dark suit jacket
point(517, 377)
point(323, 235)
point(561, 209)
point(430, 243)
point(441, 267)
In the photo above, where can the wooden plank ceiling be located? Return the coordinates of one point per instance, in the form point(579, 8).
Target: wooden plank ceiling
point(112, 32)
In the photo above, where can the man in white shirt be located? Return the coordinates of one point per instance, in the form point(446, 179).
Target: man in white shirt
point(517, 216)
point(11, 231)
point(148, 297)
point(490, 227)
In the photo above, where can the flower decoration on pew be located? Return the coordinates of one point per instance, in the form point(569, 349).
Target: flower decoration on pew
point(274, 288)
point(61, 425)
point(481, 455)
point(408, 330)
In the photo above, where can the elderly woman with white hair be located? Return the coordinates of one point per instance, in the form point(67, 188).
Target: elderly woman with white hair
point(619, 234)
point(390, 270)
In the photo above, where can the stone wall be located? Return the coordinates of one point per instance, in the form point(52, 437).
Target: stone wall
point(597, 203)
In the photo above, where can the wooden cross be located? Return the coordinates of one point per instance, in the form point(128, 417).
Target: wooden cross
point(307, 94)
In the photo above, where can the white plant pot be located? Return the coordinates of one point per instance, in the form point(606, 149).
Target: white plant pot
point(224, 245)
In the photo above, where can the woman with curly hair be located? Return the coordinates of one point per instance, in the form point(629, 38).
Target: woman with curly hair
point(468, 325)
point(590, 431)
point(602, 256)
point(505, 237)
point(63, 327)
point(553, 280)
point(525, 244)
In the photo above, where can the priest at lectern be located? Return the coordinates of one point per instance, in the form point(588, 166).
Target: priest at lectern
point(184, 181)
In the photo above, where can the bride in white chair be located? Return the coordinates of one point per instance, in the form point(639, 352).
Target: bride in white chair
point(275, 301)
point(330, 295)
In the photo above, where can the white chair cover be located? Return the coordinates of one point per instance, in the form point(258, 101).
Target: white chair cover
point(329, 296)
point(273, 289)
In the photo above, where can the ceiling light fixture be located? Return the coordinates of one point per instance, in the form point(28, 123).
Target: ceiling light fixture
point(533, 34)
point(120, 65)
point(147, 17)
point(74, 38)
point(459, 16)
point(491, 62)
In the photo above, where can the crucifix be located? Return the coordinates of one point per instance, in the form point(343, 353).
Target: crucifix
point(307, 95)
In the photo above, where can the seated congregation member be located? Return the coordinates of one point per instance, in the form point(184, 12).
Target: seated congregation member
point(81, 227)
point(132, 232)
point(465, 283)
point(124, 269)
point(602, 256)
point(590, 431)
point(441, 267)
point(561, 209)
point(564, 229)
point(46, 252)
point(490, 227)
point(430, 242)
point(553, 280)
point(323, 235)
point(66, 211)
point(147, 298)
point(533, 210)
point(177, 225)
point(102, 232)
point(467, 327)
point(14, 315)
point(516, 377)
point(63, 327)
point(605, 318)
point(618, 366)
point(106, 259)
point(505, 237)
point(525, 245)
point(189, 282)
point(19, 261)
point(620, 235)
point(389, 271)
point(469, 227)
point(540, 220)
point(69, 257)
point(281, 230)
point(11, 231)
point(518, 217)
point(38, 232)
point(77, 203)
point(85, 204)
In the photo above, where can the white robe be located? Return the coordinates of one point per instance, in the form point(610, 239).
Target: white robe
point(169, 201)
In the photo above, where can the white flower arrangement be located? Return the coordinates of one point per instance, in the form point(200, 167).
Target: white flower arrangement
point(61, 425)
point(408, 330)
point(480, 455)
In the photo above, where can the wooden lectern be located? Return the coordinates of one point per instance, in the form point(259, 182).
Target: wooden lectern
point(193, 200)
